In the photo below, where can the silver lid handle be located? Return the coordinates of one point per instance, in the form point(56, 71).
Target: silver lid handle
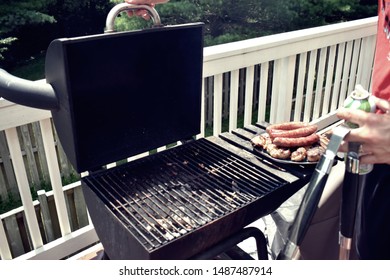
point(114, 12)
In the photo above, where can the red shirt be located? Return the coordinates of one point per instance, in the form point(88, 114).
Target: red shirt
point(381, 74)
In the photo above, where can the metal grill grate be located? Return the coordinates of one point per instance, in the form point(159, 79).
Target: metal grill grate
point(167, 195)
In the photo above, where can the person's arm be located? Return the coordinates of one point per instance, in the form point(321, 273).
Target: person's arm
point(373, 132)
point(143, 13)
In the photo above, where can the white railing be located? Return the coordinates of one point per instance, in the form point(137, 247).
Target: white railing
point(300, 75)
point(311, 71)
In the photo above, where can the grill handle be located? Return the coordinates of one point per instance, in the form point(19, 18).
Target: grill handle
point(39, 95)
point(114, 12)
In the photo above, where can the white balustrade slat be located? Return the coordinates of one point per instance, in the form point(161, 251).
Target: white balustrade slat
point(233, 108)
point(288, 86)
point(203, 111)
point(283, 88)
point(55, 175)
point(263, 92)
point(278, 91)
point(300, 87)
point(320, 83)
point(354, 65)
point(160, 149)
point(135, 157)
point(275, 94)
point(5, 251)
point(217, 119)
point(346, 73)
point(309, 86)
point(329, 80)
point(250, 72)
point(366, 55)
point(337, 80)
point(111, 165)
point(23, 186)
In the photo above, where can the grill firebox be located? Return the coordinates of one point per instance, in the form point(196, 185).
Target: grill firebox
point(177, 203)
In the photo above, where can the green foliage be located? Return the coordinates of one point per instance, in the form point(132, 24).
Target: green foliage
point(3, 45)
point(36, 22)
point(232, 20)
point(32, 69)
point(14, 14)
point(9, 204)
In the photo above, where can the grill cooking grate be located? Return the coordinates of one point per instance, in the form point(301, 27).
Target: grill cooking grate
point(164, 196)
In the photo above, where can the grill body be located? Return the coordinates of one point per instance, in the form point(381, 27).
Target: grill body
point(178, 203)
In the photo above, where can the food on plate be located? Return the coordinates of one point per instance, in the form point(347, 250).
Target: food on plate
point(314, 153)
point(295, 141)
point(286, 126)
point(277, 152)
point(293, 133)
point(288, 142)
point(299, 154)
point(261, 141)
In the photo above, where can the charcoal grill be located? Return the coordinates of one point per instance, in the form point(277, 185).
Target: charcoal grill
point(176, 203)
point(119, 94)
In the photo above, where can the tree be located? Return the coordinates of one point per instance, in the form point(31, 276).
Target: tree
point(14, 15)
point(35, 23)
point(231, 20)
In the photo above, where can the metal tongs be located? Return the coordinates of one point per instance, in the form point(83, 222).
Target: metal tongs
point(312, 196)
point(349, 199)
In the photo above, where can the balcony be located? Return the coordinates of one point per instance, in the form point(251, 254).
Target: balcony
point(302, 75)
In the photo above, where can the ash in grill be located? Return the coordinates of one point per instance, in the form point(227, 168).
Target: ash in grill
point(169, 195)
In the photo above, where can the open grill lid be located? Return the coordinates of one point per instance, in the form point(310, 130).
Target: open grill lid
point(121, 94)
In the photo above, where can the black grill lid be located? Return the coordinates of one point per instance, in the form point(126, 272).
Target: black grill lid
point(124, 93)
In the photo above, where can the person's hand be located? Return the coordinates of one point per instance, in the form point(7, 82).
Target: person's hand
point(143, 13)
point(373, 132)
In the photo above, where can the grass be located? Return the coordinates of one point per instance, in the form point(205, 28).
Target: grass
point(33, 69)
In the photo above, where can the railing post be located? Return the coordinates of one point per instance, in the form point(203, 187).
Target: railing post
point(233, 110)
point(250, 72)
point(55, 176)
point(217, 117)
point(24, 188)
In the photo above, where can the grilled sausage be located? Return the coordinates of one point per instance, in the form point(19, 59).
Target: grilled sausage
point(286, 126)
point(296, 142)
point(293, 133)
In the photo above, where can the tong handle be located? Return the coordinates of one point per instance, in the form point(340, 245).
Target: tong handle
point(117, 9)
point(312, 196)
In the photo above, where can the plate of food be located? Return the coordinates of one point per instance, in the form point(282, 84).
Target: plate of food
point(291, 143)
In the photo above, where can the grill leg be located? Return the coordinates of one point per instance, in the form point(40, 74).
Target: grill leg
point(224, 245)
